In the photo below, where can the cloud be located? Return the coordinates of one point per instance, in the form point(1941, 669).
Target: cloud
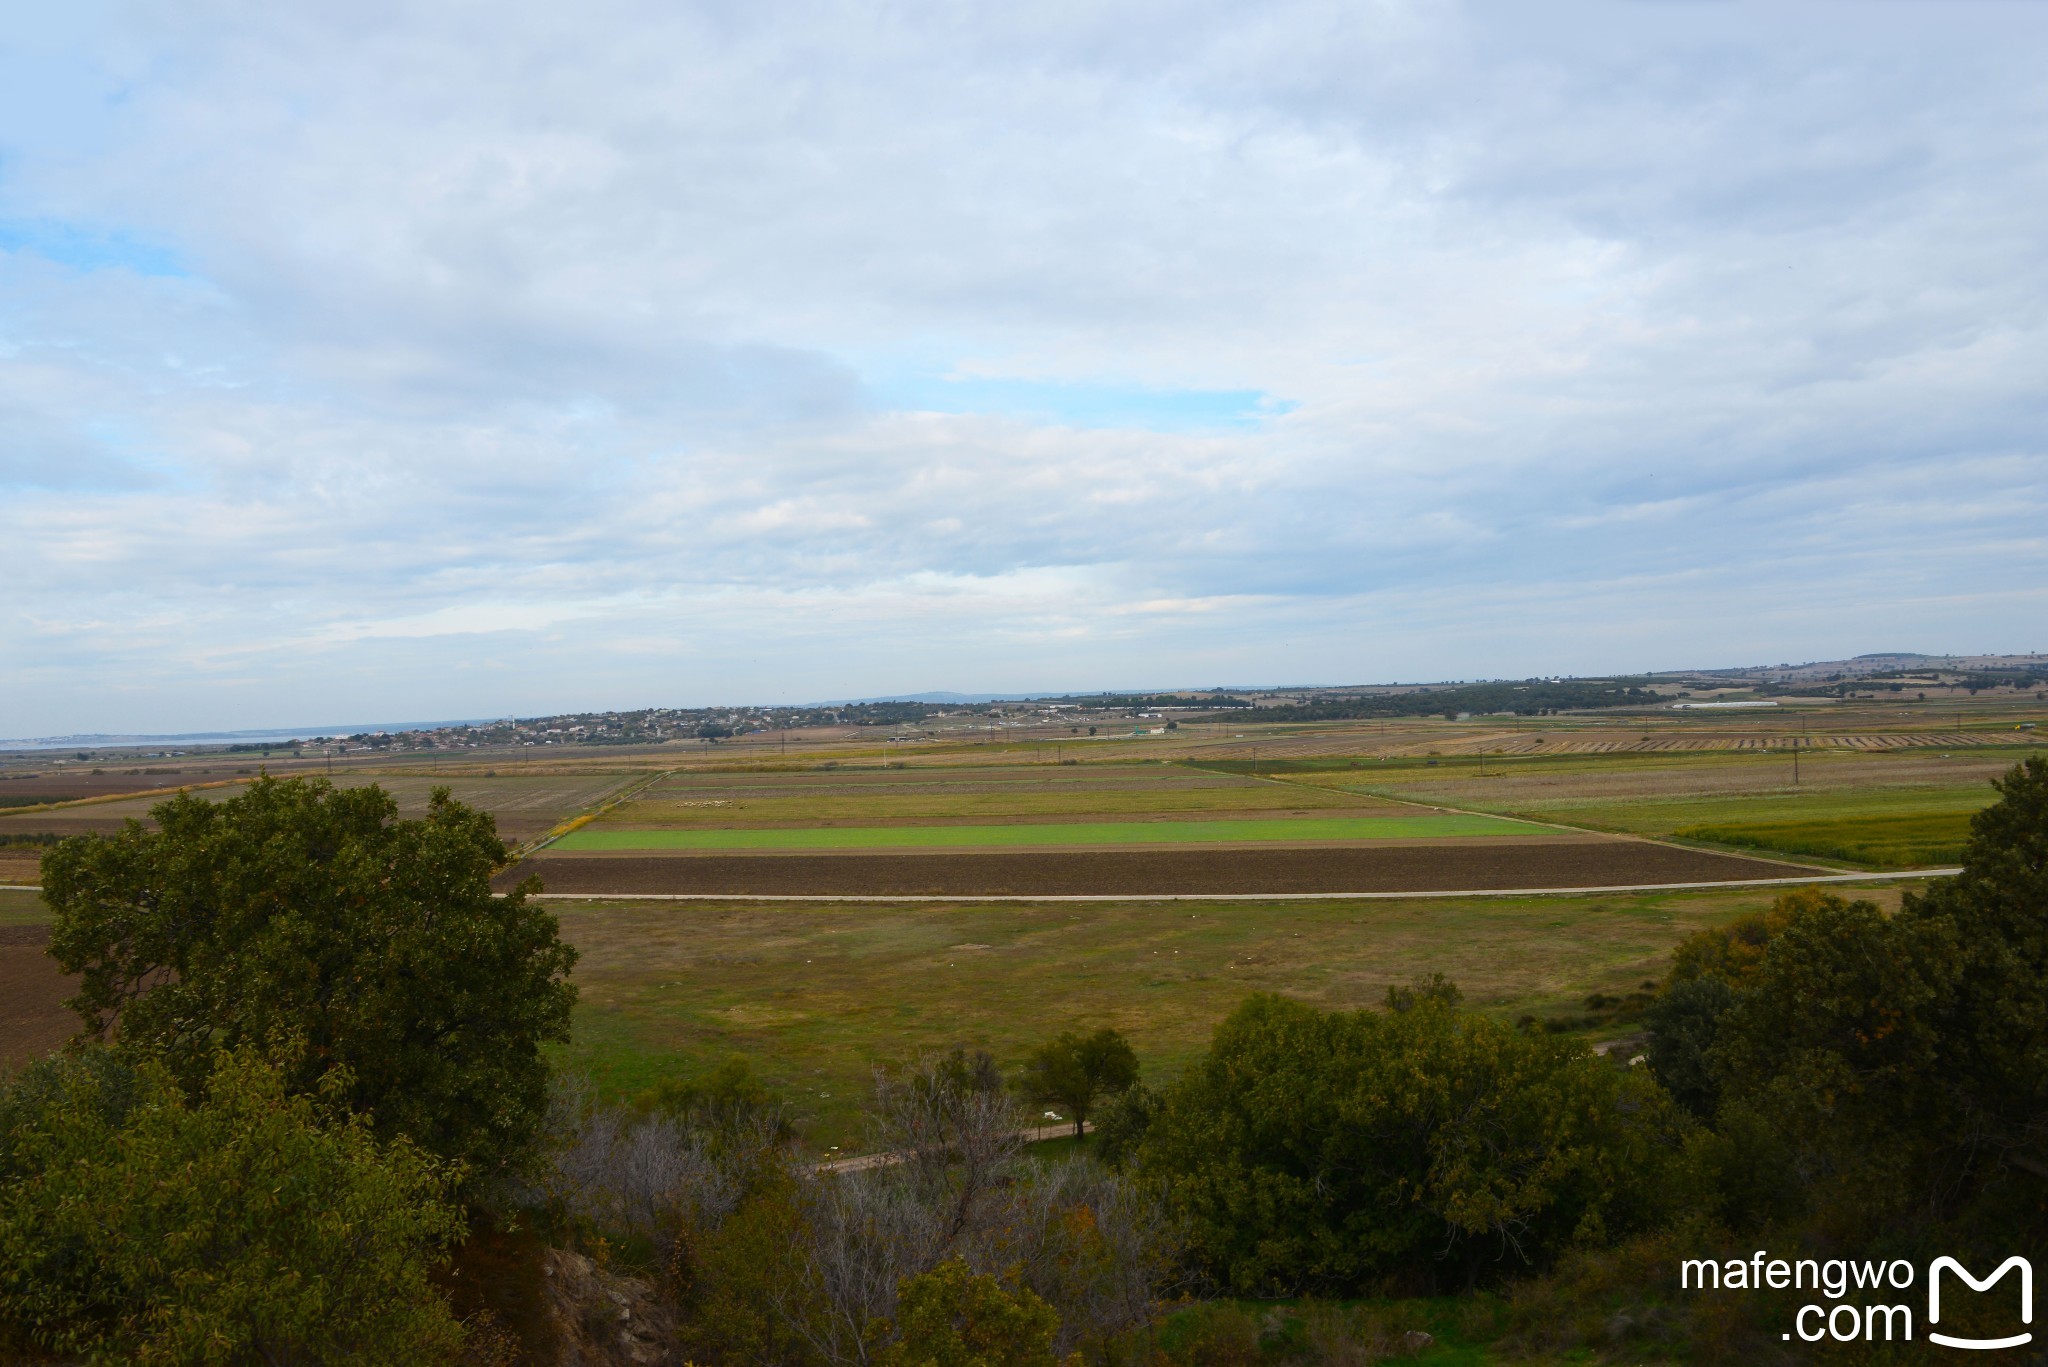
point(474, 358)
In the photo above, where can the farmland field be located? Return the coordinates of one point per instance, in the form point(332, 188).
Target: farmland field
point(524, 805)
point(813, 997)
point(1914, 840)
point(1399, 824)
point(1884, 810)
point(1445, 865)
point(931, 795)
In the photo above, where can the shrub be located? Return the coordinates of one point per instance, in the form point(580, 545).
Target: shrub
point(249, 1226)
point(951, 1317)
point(1314, 1150)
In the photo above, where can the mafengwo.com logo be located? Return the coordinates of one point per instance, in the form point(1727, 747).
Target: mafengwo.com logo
point(1864, 1300)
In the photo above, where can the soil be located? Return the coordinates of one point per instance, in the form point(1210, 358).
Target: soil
point(33, 1020)
point(1435, 866)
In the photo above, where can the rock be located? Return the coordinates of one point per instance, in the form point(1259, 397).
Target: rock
point(1415, 1340)
point(602, 1319)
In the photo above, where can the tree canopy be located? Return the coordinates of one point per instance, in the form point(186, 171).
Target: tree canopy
point(313, 920)
point(1898, 1061)
point(1074, 1070)
point(247, 1225)
point(1319, 1150)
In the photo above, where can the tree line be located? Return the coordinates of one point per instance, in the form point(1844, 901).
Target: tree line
point(1534, 697)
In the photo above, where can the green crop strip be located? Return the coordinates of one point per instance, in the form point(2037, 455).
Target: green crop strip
point(1892, 842)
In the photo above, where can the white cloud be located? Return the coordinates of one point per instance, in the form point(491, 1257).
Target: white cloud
point(462, 359)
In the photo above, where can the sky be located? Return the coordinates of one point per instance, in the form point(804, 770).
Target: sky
point(388, 361)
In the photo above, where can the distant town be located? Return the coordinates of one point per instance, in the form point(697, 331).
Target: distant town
point(910, 719)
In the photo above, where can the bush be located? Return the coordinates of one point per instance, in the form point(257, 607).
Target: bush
point(728, 1098)
point(249, 1226)
point(1326, 1151)
point(950, 1317)
point(773, 1261)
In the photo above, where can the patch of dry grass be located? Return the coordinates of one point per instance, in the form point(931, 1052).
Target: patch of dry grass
point(813, 997)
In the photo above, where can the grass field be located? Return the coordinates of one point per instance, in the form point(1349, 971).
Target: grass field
point(22, 908)
point(813, 998)
point(1896, 810)
point(981, 794)
point(1392, 827)
point(1916, 840)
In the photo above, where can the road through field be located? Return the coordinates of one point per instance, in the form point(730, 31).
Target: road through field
point(1270, 896)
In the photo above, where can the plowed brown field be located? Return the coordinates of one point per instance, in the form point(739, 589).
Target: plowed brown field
point(1435, 866)
point(33, 1021)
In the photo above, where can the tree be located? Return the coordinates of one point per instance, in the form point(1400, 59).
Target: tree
point(1995, 1020)
point(1900, 1060)
point(968, 1071)
point(1073, 1070)
point(1837, 1037)
point(301, 913)
point(1327, 1151)
point(1684, 1023)
point(249, 1226)
point(1125, 1119)
point(950, 1317)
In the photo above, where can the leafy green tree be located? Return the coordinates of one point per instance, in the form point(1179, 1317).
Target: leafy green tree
point(1322, 1151)
point(1125, 1119)
point(250, 1226)
point(1684, 1023)
point(1837, 1037)
point(1074, 1070)
point(1708, 968)
point(301, 912)
point(1994, 1017)
point(1902, 1061)
point(1731, 952)
point(950, 1317)
point(970, 1071)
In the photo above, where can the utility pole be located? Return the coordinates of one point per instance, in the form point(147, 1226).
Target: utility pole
point(1795, 761)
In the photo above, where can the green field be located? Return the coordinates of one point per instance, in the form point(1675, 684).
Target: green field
point(19, 908)
point(929, 794)
point(813, 997)
point(1885, 810)
point(1893, 842)
point(1420, 827)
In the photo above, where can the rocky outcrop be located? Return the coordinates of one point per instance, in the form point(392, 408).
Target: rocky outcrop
point(604, 1320)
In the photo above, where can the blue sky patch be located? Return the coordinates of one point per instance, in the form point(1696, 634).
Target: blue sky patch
point(85, 249)
point(1087, 405)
